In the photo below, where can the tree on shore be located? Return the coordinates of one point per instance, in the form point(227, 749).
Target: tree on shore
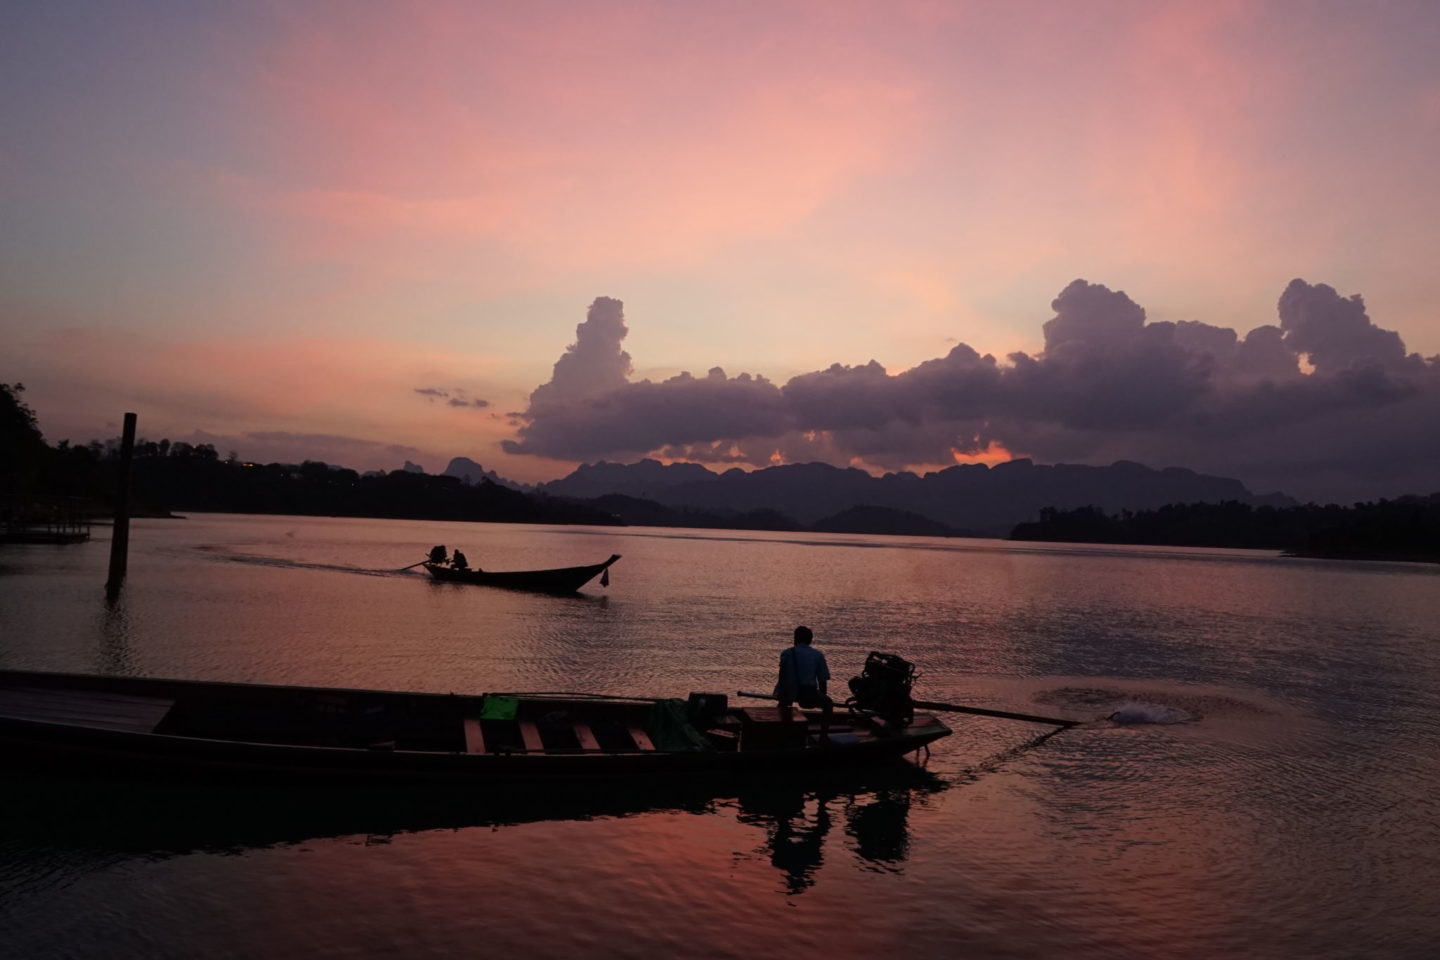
point(1406, 528)
point(22, 449)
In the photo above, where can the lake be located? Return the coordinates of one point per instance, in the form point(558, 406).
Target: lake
point(1275, 795)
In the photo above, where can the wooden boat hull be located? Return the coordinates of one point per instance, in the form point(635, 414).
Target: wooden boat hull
point(203, 729)
point(558, 580)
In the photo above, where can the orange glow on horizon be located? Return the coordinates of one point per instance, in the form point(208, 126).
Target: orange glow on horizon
point(992, 455)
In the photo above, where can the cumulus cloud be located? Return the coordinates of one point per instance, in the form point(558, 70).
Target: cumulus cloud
point(590, 408)
point(594, 364)
point(642, 416)
point(1103, 367)
point(1109, 384)
point(1334, 332)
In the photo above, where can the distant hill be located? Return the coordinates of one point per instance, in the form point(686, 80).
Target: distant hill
point(646, 480)
point(468, 471)
point(868, 519)
point(637, 512)
point(987, 501)
point(863, 519)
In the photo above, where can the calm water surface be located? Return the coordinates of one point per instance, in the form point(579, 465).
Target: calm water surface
point(1280, 802)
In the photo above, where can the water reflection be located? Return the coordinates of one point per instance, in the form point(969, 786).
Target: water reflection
point(115, 655)
point(879, 827)
point(795, 838)
point(55, 829)
point(797, 820)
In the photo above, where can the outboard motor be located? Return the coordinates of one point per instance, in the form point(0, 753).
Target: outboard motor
point(883, 688)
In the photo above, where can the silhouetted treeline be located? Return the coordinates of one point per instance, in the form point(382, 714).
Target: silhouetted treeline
point(202, 482)
point(167, 477)
point(1406, 528)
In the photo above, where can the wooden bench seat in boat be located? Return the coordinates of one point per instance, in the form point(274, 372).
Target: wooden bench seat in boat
point(586, 736)
point(530, 736)
point(532, 740)
point(641, 738)
point(474, 738)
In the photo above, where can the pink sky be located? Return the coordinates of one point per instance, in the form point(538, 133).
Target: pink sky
point(287, 219)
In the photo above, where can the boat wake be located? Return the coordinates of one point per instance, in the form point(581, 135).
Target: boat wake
point(1149, 713)
point(1135, 705)
point(1205, 711)
point(227, 555)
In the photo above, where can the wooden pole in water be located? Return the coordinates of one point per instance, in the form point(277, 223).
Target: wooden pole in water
point(957, 708)
point(120, 540)
point(1003, 714)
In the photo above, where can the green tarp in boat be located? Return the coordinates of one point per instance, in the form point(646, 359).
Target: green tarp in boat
point(499, 708)
point(669, 729)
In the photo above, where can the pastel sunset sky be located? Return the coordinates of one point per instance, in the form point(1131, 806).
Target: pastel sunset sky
point(365, 232)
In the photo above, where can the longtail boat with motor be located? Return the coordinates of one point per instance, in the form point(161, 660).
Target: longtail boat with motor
point(558, 580)
point(196, 728)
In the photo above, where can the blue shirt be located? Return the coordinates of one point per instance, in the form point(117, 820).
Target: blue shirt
point(801, 666)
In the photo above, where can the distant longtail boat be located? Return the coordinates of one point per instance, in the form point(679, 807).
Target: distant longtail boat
point(559, 580)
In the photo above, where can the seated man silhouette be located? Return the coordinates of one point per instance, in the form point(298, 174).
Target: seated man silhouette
point(458, 561)
point(803, 678)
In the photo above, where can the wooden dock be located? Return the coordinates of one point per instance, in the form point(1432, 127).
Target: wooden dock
point(45, 531)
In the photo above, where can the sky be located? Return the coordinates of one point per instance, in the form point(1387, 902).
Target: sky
point(895, 235)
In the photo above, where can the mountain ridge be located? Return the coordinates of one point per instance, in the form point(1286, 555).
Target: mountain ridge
point(470, 472)
point(972, 497)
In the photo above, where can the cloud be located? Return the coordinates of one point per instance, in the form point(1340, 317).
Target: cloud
point(590, 408)
point(1334, 332)
point(642, 416)
point(1108, 384)
point(1103, 367)
point(452, 398)
point(594, 364)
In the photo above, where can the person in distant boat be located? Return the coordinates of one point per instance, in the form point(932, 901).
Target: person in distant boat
point(458, 561)
point(803, 678)
point(437, 554)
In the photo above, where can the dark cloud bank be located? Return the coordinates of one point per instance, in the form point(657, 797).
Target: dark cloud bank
point(1323, 405)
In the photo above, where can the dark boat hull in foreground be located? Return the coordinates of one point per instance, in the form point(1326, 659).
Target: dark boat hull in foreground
point(559, 580)
point(197, 728)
